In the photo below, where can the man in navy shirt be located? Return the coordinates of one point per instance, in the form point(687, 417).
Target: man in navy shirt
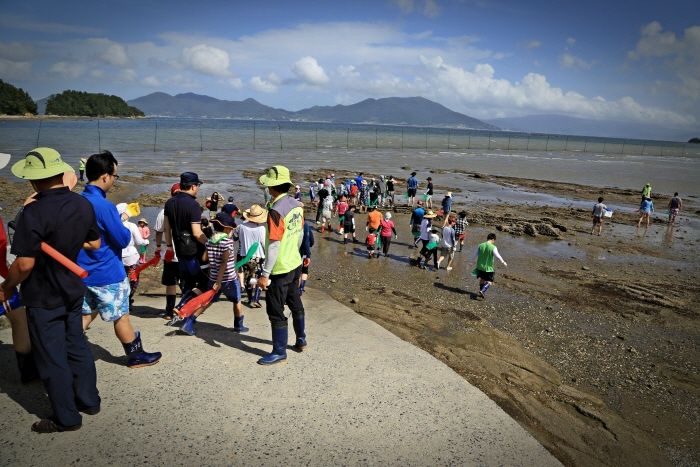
point(52, 294)
point(412, 186)
point(107, 284)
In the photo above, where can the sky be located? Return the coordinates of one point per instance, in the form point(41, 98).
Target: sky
point(606, 60)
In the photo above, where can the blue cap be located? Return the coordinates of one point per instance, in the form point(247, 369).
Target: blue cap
point(190, 178)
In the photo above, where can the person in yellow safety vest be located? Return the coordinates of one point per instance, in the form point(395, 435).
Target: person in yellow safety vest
point(283, 263)
point(81, 168)
point(484, 270)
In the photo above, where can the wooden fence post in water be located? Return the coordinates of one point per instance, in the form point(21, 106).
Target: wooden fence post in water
point(201, 140)
point(489, 140)
point(585, 145)
point(155, 136)
point(546, 145)
point(375, 139)
point(254, 129)
point(644, 145)
point(469, 141)
point(426, 140)
point(623, 148)
point(401, 139)
point(508, 142)
point(527, 146)
point(347, 140)
point(449, 134)
point(316, 144)
point(279, 130)
point(99, 137)
point(38, 133)
point(566, 144)
point(605, 144)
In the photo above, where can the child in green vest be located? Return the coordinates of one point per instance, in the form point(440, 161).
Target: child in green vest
point(484, 270)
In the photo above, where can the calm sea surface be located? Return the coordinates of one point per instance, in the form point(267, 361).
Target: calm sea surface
point(220, 149)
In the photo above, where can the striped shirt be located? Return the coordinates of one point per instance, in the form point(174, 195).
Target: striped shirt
point(216, 251)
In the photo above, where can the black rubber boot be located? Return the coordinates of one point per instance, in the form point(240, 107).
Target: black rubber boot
point(27, 367)
point(137, 356)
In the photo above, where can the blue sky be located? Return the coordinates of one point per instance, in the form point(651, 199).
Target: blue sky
point(602, 60)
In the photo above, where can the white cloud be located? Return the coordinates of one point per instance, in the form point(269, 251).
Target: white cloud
point(207, 59)
point(151, 81)
point(678, 54)
point(570, 41)
point(20, 23)
point(483, 94)
point(97, 73)
point(347, 71)
point(235, 83)
point(70, 70)
point(268, 85)
point(14, 70)
point(431, 8)
point(308, 70)
point(567, 60)
point(18, 52)
point(533, 44)
point(127, 75)
point(115, 55)
point(406, 6)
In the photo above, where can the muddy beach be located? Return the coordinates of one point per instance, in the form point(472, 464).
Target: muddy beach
point(590, 342)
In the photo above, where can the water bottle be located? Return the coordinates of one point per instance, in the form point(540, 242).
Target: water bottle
point(15, 301)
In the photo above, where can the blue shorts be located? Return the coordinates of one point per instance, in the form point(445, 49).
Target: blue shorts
point(230, 289)
point(111, 301)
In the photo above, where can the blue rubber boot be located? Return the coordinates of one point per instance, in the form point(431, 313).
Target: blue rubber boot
point(188, 325)
point(238, 324)
point(300, 334)
point(279, 348)
point(137, 356)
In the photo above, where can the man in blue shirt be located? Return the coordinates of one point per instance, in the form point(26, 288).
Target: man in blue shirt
point(107, 284)
point(412, 185)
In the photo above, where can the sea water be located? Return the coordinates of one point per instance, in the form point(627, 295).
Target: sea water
point(219, 149)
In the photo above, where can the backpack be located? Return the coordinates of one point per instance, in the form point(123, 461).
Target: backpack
point(353, 190)
point(371, 239)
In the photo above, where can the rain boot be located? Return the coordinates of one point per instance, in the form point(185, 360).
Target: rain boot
point(300, 343)
point(238, 324)
point(137, 356)
point(188, 325)
point(279, 348)
point(27, 367)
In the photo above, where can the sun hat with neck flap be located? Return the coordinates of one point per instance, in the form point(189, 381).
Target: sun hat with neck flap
point(39, 164)
point(275, 175)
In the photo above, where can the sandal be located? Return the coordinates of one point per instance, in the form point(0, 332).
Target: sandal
point(256, 305)
point(47, 425)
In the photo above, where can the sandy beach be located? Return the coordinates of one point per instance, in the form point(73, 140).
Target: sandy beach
point(590, 343)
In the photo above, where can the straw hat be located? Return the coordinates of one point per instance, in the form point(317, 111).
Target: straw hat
point(256, 214)
point(449, 193)
point(4, 159)
point(143, 219)
point(429, 215)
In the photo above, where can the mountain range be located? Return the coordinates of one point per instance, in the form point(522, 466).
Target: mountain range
point(416, 111)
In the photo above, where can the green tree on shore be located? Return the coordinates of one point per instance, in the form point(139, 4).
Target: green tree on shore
point(86, 104)
point(15, 101)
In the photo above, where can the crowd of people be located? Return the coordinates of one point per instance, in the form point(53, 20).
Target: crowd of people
point(207, 251)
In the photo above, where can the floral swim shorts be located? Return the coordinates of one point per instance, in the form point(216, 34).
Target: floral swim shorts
point(111, 301)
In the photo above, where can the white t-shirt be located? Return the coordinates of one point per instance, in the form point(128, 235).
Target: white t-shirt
point(160, 227)
point(249, 233)
point(130, 255)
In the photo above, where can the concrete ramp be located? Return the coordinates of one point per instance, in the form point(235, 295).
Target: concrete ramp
point(358, 395)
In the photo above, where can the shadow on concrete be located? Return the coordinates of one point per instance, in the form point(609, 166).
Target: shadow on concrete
point(214, 334)
point(31, 397)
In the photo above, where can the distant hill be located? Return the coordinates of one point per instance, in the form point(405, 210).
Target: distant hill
point(397, 110)
point(197, 105)
point(15, 101)
point(393, 110)
point(564, 125)
point(89, 104)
